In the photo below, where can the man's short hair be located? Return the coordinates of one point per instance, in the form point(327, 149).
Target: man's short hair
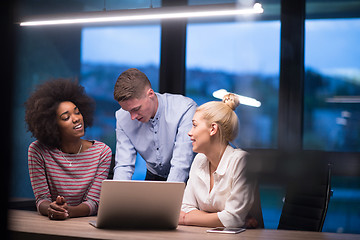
point(130, 84)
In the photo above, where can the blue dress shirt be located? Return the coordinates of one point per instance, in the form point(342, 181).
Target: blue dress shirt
point(162, 142)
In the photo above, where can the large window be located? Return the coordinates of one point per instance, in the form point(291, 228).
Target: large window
point(107, 52)
point(332, 108)
point(332, 85)
point(234, 56)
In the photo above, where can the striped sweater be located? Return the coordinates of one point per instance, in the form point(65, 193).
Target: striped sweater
point(51, 174)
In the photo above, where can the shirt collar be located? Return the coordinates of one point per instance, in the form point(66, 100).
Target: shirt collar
point(159, 109)
point(224, 162)
point(204, 168)
point(225, 159)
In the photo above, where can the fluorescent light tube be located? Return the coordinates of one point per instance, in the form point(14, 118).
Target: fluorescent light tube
point(146, 14)
point(343, 99)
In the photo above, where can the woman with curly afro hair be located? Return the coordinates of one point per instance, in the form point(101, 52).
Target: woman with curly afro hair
point(66, 171)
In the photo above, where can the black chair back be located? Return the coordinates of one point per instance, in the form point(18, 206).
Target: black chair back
point(307, 199)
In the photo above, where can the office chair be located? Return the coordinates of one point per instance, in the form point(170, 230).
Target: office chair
point(307, 200)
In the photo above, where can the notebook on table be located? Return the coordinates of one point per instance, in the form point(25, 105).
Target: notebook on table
point(139, 204)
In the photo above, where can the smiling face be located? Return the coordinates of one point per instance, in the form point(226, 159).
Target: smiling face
point(200, 133)
point(70, 121)
point(141, 109)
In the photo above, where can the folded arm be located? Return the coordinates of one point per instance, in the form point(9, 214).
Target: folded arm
point(200, 218)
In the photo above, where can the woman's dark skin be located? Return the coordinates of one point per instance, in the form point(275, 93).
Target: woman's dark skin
point(71, 126)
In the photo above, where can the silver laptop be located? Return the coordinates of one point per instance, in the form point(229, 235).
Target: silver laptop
point(139, 204)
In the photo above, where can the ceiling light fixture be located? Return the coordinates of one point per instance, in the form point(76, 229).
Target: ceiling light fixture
point(146, 14)
point(242, 99)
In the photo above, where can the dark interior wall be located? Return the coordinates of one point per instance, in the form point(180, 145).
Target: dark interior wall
point(6, 63)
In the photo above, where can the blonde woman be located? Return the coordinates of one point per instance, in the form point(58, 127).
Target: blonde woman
point(218, 192)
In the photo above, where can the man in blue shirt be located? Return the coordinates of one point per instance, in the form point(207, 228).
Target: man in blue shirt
point(153, 125)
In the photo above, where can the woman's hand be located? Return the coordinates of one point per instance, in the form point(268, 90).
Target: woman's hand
point(58, 210)
point(251, 222)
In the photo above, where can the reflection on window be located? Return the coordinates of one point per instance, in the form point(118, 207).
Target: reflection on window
point(332, 85)
point(243, 58)
point(106, 52)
